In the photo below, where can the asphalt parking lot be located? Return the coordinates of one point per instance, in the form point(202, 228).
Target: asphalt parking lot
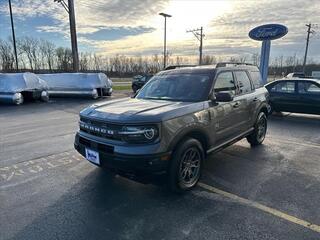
point(48, 191)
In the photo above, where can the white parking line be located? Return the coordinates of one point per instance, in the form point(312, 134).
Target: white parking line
point(305, 144)
point(282, 215)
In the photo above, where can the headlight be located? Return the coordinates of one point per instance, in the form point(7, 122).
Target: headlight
point(139, 134)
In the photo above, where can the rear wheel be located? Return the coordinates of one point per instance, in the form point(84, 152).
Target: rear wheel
point(260, 129)
point(186, 165)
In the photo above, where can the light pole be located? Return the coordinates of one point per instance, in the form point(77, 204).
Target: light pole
point(165, 39)
point(13, 36)
point(74, 45)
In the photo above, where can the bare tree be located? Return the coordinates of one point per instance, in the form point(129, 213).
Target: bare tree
point(64, 59)
point(207, 60)
point(84, 61)
point(29, 47)
point(6, 55)
point(47, 50)
point(255, 58)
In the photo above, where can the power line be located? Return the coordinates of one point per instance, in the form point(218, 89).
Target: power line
point(198, 33)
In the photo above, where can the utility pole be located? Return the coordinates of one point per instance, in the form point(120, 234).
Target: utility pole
point(200, 48)
point(165, 39)
point(13, 37)
point(73, 33)
point(198, 33)
point(307, 46)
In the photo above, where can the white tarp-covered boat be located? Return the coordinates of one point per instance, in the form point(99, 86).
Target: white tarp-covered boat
point(78, 84)
point(15, 87)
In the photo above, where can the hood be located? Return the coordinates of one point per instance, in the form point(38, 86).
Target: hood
point(131, 110)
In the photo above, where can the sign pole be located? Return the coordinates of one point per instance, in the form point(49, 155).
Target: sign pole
point(264, 60)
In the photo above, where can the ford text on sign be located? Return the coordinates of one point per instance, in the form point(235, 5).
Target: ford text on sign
point(268, 32)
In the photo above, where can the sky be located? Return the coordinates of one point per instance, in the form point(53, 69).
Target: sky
point(134, 28)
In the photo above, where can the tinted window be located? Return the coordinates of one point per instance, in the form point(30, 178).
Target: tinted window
point(225, 83)
point(243, 81)
point(283, 87)
point(256, 79)
point(177, 87)
point(308, 88)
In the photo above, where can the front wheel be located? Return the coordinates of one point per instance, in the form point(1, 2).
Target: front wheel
point(260, 129)
point(186, 165)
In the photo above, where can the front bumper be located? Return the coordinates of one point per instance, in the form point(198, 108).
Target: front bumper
point(123, 163)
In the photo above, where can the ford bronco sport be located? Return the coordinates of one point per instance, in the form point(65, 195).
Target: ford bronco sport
point(177, 119)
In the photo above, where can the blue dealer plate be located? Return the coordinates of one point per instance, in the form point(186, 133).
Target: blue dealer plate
point(92, 156)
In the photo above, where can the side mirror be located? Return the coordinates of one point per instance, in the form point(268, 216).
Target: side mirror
point(223, 97)
point(212, 97)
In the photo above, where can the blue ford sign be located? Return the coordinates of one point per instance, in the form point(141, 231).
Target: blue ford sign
point(268, 32)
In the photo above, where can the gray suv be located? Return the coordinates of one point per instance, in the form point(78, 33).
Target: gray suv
point(175, 121)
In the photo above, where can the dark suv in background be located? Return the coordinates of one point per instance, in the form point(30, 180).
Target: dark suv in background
point(140, 80)
point(173, 123)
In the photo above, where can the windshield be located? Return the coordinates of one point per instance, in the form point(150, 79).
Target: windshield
point(189, 87)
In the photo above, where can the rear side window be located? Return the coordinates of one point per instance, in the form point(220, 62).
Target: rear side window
point(284, 87)
point(256, 79)
point(308, 88)
point(243, 82)
point(225, 83)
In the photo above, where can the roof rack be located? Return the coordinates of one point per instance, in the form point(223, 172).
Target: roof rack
point(226, 64)
point(178, 66)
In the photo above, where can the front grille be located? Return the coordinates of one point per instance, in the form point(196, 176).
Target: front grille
point(98, 146)
point(100, 129)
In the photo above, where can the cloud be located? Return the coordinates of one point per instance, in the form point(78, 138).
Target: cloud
point(93, 18)
point(115, 33)
point(133, 27)
point(117, 12)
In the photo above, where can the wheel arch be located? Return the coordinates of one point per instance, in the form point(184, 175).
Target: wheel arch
point(198, 134)
point(264, 109)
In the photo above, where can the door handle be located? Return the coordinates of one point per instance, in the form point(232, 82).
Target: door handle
point(255, 99)
point(236, 105)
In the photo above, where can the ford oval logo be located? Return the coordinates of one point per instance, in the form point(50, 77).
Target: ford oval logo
point(268, 32)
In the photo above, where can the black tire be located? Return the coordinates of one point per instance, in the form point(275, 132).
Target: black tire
point(260, 129)
point(135, 88)
point(183, 166)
